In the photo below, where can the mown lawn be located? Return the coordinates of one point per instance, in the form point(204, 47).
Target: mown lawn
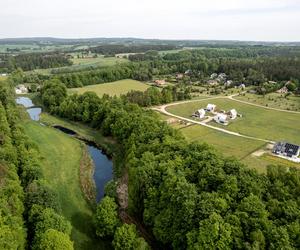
point(113, 88)
point(256, 121)
point(230, 145)
point(273, 100)
point(60, 164)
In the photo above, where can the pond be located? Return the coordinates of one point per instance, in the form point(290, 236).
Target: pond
point(103, 172)
point(35, 112)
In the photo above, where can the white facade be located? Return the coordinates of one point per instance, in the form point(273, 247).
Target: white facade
point(221, 118)
point(233, 114)
point(210, 107)
point(200, 113)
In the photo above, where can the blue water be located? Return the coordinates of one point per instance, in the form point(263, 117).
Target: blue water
point(25, 101)
point(34, 113)
point(103, 165)
point(103, 170)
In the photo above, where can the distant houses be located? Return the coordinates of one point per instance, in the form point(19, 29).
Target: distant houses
point(283, 90)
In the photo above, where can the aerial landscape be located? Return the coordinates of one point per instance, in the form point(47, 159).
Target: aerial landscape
point(124, 127)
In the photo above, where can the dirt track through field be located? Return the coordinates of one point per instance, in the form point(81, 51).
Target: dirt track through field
point(162, 109)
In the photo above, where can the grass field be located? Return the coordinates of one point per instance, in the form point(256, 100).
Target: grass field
point(230, 145)
point(61, 157)
point(256, 121)
point(3, 78)
point(100, 61)
point(84, 63)
point(113, 88)
point(273, 100)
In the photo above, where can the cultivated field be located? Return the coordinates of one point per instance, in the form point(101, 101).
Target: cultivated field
point(273, 100)
point(256, 121)
point(113, 88)
point(60, 162)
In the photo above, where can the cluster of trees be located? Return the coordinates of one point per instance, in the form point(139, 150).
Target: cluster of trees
point(112, 49)
point(252, 66)
point(189, 195)
point(153, 96)
point(9, 63)
point(29, 209)
point(108, 225)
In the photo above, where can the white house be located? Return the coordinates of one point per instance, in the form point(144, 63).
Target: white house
point(221, 118)
point(210, 107)
point(233, 114)
point(200, 113)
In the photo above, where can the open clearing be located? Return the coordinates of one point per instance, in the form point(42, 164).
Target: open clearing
point(273, 100)
point(61, 157)
point(230, 145)
point(113, 88)
point(256, 121)
point(100, 61)
point(83, 63)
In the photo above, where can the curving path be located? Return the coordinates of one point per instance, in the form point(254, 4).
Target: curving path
point(261, 106)
point(162, 109)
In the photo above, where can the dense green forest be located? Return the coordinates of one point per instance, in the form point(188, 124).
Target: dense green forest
point(29, 211)
point(33, 61)
point(187, 194)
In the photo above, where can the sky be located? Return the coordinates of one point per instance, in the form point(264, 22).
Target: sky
point(251, 20)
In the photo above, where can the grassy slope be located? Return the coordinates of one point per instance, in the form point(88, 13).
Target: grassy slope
point(112, 88)
point(61, 156)
point(256, 121)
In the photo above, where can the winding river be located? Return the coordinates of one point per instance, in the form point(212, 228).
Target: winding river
point(103, 172)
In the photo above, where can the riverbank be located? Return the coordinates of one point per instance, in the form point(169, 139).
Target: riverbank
point(60, 157)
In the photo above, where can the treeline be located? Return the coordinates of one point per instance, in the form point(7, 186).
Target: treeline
point(29, 209)
point(112, 49)
point(33, 61)
point(108, 74)
point(250, 66)
point(152, 96)
point(190, 196)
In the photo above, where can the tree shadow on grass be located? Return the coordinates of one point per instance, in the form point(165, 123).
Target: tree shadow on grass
point(84, 224)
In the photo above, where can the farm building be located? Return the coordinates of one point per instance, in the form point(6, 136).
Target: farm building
point(200, 113)
point(232, 114)
point(179, 76)
point(283, 90)
point(287, 150)
point(160, 82)
point(210, 107)
point(221, 118)
point(21, 89)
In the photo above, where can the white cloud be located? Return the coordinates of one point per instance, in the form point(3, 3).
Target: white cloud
point(175, 19)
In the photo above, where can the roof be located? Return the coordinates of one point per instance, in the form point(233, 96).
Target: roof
point(286, 148)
